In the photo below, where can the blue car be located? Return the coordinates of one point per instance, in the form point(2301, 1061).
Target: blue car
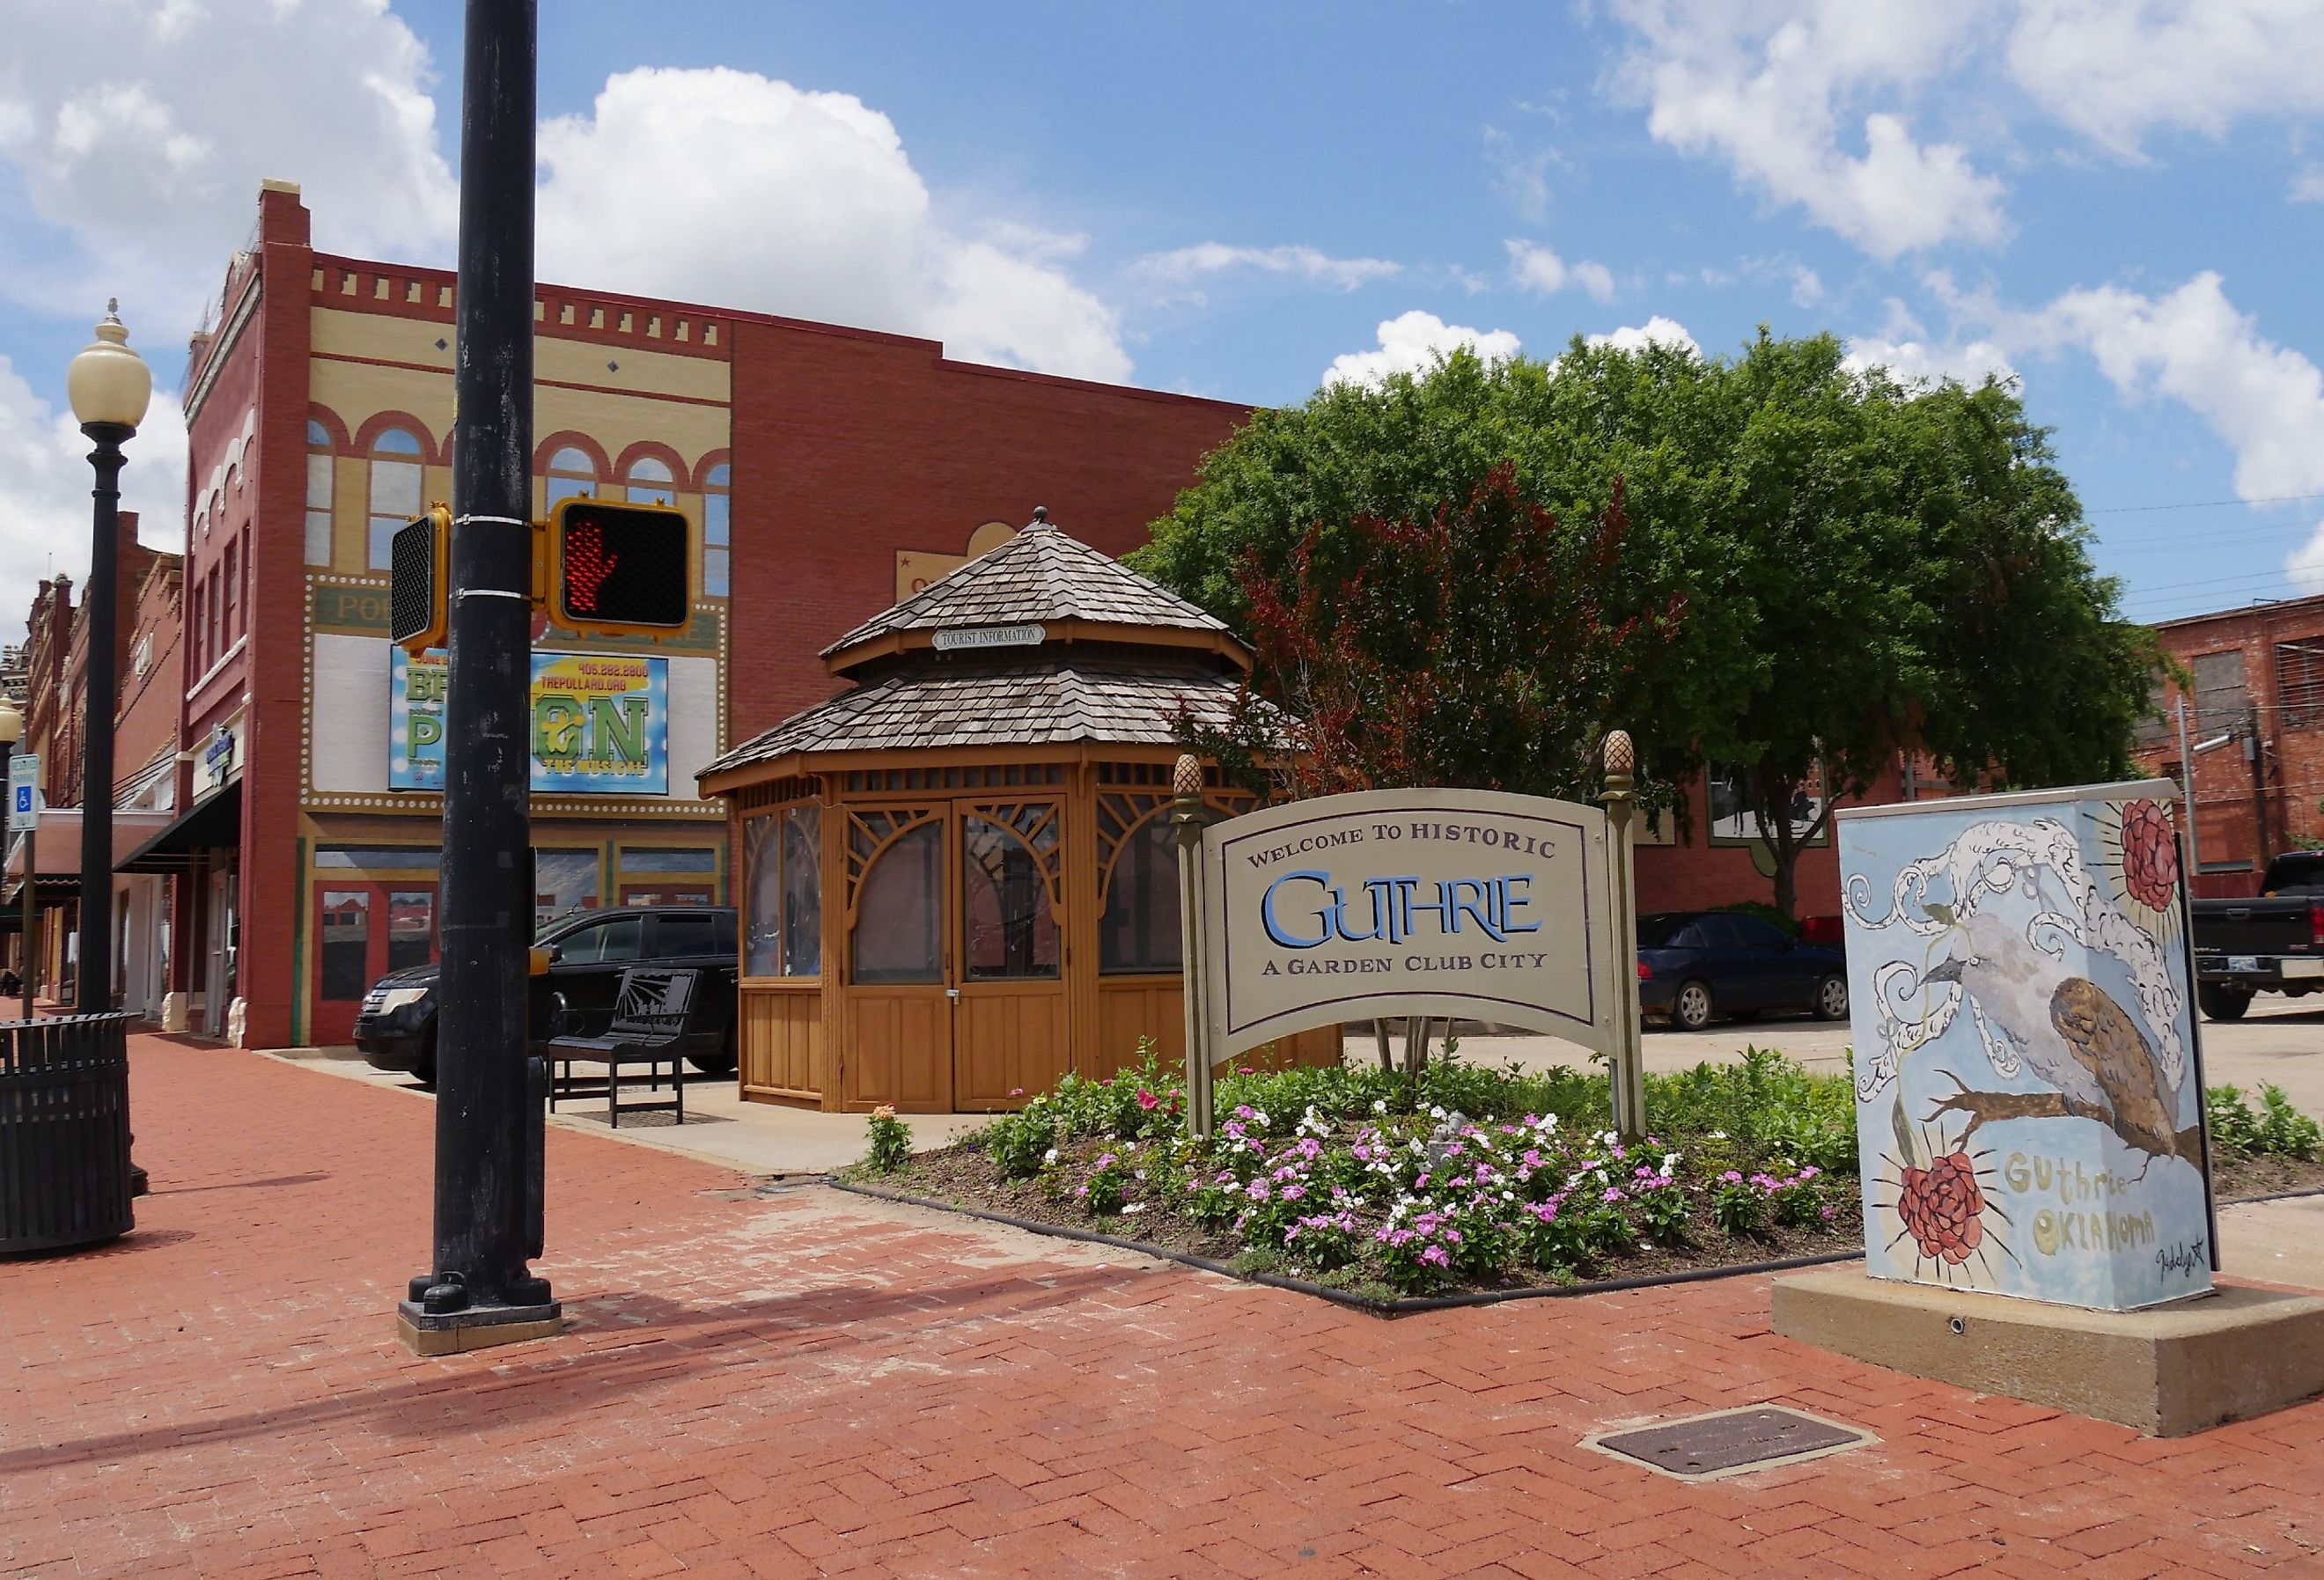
point(1695, 965)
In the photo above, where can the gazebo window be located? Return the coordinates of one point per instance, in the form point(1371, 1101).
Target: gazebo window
point(899, 927)
point(1139, 932)
point(783, 857)
point(1010, 932)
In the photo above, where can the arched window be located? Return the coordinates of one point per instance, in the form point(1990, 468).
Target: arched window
point(318, 494)
point(714, 544)
point(395, 490)
point(650, 481)
point(1008, 931)
point(899, 927)
point(1139, 929)
point(571, 473)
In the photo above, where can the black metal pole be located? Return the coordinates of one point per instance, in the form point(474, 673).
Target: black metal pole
point(487, 1132)
point(31, 972)
point(7, 751)
point(92, 993)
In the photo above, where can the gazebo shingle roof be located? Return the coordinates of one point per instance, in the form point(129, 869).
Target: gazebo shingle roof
point(1041, 702)
point(1038, 576)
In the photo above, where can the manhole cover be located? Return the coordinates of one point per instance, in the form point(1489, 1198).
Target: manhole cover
point(1729, 1441)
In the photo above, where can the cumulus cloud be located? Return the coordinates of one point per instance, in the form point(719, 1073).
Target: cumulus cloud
point(1535, 268)
point(1777, 91)
point(2264, 400)
point(139, 134)
point(1186, 264)
point(46, 527)
point(1807, 286)
point(1411, 343)
point(2116, 73)
point(771, 196)
point(1912, 357)
point(1655, 331)
point(2308, 186)
point(1811, 101)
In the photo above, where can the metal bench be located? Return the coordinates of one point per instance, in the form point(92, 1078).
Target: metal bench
point(652, 1010)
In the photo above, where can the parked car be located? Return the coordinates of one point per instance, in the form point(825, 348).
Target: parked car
point(1694, 965)
point(396, 1028)
point(2271, 944)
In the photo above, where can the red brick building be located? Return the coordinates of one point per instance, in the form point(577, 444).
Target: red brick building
point(823, 468)
point(2255, 730)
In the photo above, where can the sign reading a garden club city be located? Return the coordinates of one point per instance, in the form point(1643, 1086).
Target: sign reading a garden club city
point(600, 723)
point(1444, 902)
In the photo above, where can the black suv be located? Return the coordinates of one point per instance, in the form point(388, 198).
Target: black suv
point(395, 1029)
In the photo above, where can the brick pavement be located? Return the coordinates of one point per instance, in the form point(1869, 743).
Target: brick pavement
point(817, 1385)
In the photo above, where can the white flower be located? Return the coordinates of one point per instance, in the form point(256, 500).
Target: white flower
point(1611, 1139)
point(1436, 1112)
point(1718, 1135)
point(1670, 1162)
point(1258, 1118)
point(1380, 1106)
point(1141, 1174)
point(1050, 1156)
point(1129, 1208)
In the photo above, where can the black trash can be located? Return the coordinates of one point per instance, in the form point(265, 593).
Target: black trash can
point(64, 1131)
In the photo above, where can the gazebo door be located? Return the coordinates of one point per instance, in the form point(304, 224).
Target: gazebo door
point(898, 1002)
point(1011, 1035)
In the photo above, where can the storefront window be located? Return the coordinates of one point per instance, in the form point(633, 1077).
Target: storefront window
point(563, 881)
point(715, 484)
point(898, 930)
point(1139, 929)
point(346, 943)
point(410, 927)
point(395, 484)
point(1009, 932)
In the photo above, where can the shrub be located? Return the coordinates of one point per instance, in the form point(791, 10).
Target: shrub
point(1104, 1190)
point(892, 1140)
point(1020, 1144)
point(1737, 1205)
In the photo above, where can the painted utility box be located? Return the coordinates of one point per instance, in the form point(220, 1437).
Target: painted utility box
point(2028, 1097)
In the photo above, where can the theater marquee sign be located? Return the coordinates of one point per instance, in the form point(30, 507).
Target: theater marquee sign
point(1413, 902)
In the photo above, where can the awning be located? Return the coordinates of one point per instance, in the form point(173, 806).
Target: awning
point(56, 853)
point(213, 823)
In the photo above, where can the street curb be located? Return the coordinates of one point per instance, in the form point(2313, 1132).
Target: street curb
point(1402, 1305)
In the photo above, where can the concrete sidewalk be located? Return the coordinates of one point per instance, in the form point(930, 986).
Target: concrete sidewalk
point(812, 1384)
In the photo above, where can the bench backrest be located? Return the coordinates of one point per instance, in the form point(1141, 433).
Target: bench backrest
point(653, 1000)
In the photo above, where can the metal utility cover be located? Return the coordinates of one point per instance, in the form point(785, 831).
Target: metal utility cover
point(1729, 1441)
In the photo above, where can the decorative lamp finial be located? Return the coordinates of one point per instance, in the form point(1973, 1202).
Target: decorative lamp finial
point(1621, 757)
point(1040, 517)
point(1187, 779)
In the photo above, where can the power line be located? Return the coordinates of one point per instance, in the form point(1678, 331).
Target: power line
point(2201, 504)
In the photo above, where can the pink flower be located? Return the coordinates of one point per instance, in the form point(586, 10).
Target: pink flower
point(1434, 1256)
point(1148, 1100)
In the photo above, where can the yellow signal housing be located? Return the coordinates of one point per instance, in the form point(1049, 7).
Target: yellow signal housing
point(619, 569)
point(420, 581)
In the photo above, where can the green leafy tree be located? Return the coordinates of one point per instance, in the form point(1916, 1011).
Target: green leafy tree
point(1863, 565)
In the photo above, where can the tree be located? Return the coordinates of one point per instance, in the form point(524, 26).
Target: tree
point(1863, 566)
point(1474, 648)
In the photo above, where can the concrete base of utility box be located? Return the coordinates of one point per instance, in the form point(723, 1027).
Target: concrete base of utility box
point(2167, 1371)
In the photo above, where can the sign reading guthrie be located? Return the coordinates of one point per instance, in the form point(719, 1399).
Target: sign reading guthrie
point(1412, 902)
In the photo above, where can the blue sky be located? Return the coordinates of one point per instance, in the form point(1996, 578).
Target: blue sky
point(2119, 204)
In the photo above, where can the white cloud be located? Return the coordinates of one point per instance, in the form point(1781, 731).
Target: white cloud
point(44, 457)
point(1807, 286)
point(2117, 72)
point(1521, 179)
point(140, 134)
point(1774, 88)
point(1412, 343)
point(1304, 262)
point(2264, 402)
point(1535, 268)
point(1906, 349)
point(1655, 331)
point(764, 196)
point(2308, 186)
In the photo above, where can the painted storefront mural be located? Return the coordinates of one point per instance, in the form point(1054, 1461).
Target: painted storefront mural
point(2029, 1105)
point(600, 723)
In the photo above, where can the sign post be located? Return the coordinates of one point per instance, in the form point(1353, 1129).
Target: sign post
point(24, 820)
point(1433, 902)
point(1186, 820)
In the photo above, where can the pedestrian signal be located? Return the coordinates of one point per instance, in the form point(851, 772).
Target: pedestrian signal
point(419, 576)
point(620, 569)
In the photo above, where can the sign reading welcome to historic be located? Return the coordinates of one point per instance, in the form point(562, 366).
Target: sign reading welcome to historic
point(1412, 902)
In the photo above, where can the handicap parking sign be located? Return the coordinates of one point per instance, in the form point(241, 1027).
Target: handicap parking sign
point(23, 792)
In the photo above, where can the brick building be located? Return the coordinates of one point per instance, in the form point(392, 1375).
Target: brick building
point(825, 469)
point(2254, 728)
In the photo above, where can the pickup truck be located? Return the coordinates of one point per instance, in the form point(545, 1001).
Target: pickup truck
point(2273, 944)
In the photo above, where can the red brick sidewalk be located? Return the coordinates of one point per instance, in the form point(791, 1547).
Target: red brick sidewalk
point(818, 1385)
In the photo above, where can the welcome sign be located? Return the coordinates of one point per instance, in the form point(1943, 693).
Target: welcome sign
point(600, 723)
point(1413, 902)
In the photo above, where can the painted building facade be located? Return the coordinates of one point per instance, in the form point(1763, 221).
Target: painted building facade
point(823, 468)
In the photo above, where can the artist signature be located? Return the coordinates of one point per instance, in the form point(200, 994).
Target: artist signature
point(2183, 1260)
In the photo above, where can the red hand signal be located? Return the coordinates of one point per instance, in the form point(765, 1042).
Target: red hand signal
point(587, 565)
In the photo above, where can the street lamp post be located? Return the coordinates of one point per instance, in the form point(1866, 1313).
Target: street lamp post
point(11, 730)
point(110, 384)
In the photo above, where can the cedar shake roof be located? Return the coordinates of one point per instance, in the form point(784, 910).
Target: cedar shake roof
point(1038, 576)
point(1054, 702)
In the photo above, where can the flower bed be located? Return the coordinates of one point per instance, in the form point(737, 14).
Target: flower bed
point(1470, 1179)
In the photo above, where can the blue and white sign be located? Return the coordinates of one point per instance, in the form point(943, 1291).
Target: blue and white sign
point(2028, 1093)
point(23, 792)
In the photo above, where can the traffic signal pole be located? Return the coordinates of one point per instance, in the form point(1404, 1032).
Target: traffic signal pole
point(488, 1115)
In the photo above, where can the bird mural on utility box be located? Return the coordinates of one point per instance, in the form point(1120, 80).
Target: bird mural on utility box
point(2071, 1035)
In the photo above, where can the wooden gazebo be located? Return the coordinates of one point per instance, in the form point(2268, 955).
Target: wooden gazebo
point(959, 879)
